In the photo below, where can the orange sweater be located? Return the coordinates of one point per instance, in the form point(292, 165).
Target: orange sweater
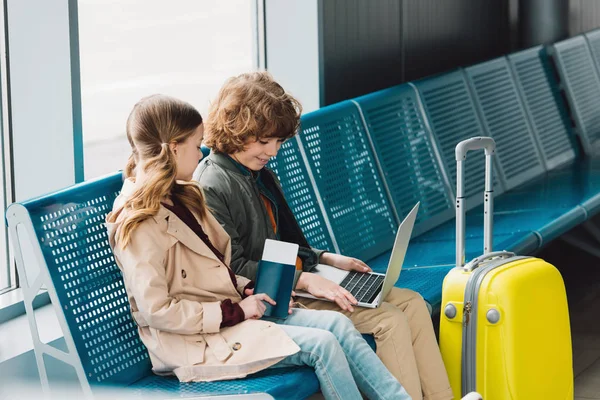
point(269, 207)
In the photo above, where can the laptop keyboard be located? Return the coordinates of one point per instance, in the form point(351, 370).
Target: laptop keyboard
point(363, 286)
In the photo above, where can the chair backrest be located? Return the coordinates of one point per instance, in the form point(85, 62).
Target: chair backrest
point(405, 149)
point(450, 108)
point(581, 82)
point(345, 172)
point(593, 39)
point(545, 106)
point(300, 195)
point(504, 120)
point(69, 226)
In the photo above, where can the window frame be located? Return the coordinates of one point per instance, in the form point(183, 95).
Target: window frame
point(6, 160)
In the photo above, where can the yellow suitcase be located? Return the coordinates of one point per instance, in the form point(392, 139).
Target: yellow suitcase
point(504, 329)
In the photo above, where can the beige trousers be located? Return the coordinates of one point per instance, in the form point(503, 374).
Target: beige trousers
point(405, 341)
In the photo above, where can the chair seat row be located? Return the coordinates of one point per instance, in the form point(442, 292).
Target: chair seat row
point(368, 160)
point(351, 175)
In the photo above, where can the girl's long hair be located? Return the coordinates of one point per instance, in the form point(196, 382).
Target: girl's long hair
point(154, 122)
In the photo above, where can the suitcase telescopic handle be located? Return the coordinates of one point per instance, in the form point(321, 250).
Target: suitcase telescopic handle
point(476, 143)
point(474, 263)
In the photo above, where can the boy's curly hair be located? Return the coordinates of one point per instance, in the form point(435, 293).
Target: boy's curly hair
point(250, 106)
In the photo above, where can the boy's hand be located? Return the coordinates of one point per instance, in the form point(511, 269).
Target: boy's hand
point(324, 288)
point(344, 262)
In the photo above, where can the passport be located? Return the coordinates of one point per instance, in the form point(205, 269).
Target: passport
point(275, 276)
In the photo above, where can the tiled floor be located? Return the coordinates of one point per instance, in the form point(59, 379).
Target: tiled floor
point(586, 360)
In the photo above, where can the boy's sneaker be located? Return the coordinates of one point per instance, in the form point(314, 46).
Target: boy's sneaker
point(473, 396)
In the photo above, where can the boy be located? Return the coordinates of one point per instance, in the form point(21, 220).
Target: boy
point(248, 122)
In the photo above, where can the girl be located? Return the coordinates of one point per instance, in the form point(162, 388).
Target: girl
point(197, 318)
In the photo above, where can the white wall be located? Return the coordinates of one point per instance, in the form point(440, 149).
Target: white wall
point(40, 96)
point(293, 48)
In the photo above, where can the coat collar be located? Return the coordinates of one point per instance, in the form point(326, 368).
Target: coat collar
point(227, 162)
point(183, 233)
point(224, 161)
point(175, 226)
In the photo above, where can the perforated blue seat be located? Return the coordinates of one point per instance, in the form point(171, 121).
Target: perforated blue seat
point(451, 112)
point(579, 76)
point(86, 286)
point(345, 174)
point(577, 62)
point(544, 105)
point(405, 151)
point(557, 201)
point(519, 222)
point(541, 120)
point(301, 196)
point(282, 383)
point(504, 119)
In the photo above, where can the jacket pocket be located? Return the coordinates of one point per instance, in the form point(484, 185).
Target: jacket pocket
point(219, 346)
point(195, 346)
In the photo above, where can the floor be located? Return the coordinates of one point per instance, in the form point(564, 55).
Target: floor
point(581, 273)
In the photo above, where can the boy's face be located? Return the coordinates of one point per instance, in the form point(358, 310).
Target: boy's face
point(256, 154)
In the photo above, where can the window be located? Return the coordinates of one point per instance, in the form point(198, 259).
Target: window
point(7, 268)
point(133, 48)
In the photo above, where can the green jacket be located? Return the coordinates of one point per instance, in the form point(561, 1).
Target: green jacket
point(233, 195)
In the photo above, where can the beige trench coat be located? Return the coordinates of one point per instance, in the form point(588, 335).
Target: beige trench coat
point(175, 285)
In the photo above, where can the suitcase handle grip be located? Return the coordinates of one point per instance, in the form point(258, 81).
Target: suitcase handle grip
point(474, 263)
point(476, 143)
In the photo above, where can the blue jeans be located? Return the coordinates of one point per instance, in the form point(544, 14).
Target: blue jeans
point(343, 361)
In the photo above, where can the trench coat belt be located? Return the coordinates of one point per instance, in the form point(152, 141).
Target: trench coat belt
point(215, 341)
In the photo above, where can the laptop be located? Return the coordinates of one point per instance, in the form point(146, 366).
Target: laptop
point(371, 288)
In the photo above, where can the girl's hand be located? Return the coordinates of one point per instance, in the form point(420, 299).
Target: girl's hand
point(254, 306)
point(343, 262)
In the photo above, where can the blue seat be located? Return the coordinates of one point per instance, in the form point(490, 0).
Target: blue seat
point(406, 154)
point(504, 119)
point(452, 115)
point(536, 207)
point(281, 383)
point(346, 176)
point(302, 196)
point(579, 76)
point(66, 230)
point(499, 100)
point(545, 108)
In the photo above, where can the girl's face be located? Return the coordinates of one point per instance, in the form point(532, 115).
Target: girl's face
point(256, 154)
point(188, 154)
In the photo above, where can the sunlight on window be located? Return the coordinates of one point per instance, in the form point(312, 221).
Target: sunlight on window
point(133, 48)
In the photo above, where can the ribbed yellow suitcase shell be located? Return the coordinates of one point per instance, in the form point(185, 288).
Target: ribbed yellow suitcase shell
point(527, 354)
